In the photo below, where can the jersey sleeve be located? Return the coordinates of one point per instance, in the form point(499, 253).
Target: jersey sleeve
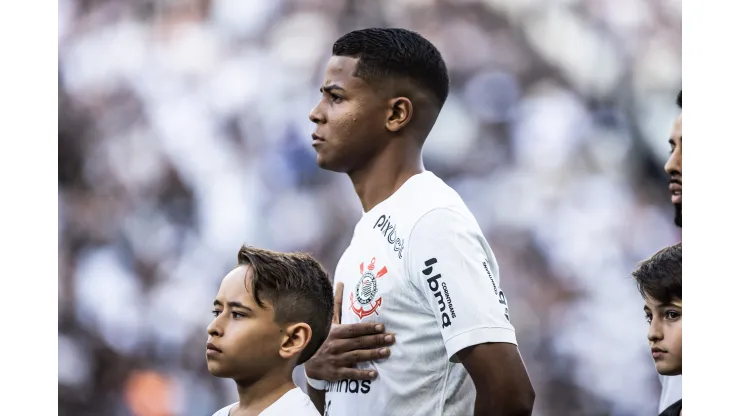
point(450, 264)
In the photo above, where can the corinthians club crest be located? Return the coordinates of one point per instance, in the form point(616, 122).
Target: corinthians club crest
point(362, 300)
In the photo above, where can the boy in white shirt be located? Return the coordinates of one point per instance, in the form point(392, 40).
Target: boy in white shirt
point(659, 282)
point(272, 312)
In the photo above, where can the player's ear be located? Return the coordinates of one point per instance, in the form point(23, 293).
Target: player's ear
point(399, 113)
point(295, 339)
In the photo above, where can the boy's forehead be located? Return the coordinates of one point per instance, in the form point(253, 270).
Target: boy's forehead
point(655, 304)
point(234, 283)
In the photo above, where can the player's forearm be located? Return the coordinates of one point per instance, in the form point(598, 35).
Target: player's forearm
point(512, 403)
point(317, 397)
point(509, 406)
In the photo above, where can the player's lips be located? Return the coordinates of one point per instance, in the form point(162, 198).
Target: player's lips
point(316, 139)
point(212, 349)
point(675, 188)
point(657, 352)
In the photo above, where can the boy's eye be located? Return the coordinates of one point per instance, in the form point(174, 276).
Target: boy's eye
point(672, 315)
point(237, 315)
point(648, 318)
point(335, 98)
point(216, 312)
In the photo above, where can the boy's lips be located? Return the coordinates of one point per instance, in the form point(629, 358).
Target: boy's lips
point(212, 349)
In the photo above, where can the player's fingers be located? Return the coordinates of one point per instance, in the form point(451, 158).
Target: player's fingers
point(338, 294)
point(358, 356)
point(373, 341)
point(357, 330)
point(355, 374)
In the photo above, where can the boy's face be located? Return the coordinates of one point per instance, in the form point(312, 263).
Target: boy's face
point(664, 335)
point(244, 341)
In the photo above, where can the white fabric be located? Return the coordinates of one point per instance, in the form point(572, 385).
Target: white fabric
point(418, 263)
point(294, 403)
point(316, 384)
point(671, 391)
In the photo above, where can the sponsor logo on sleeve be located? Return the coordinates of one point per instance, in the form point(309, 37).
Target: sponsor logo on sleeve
point(439, 289)
point(501, 296)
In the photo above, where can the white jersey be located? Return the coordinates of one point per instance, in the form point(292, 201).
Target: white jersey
point(418, 263)
point(671, 391)
point(294, 403)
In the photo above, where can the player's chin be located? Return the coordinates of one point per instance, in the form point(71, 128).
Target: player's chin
point(329, 163)
point(668, 367)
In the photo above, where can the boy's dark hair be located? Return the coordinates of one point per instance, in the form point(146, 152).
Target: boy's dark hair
point(384, 53)
point(298, 288)
point(659, 277)
point(678, 99)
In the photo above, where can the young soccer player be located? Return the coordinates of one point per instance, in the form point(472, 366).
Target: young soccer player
point(659, 282)
point(672, 384)
point(418, 264)
point(271, 313)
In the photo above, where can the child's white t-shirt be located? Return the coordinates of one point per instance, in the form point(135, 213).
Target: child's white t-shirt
point(295, 403)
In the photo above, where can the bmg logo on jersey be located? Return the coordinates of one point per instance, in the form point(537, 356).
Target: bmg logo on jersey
point(437, 287)
point(362, 301)
point(389, 232)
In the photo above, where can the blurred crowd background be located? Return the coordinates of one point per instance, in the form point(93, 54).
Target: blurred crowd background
point(184, 132)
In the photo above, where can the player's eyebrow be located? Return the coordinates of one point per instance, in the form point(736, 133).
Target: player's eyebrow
point(233, 305)
point(331, 87)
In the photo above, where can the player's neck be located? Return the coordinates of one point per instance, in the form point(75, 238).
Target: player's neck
point(382, 175)
point(255, 397)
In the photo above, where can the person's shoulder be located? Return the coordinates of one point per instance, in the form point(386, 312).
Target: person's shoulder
point(430, 189)
point(446, 218)
point(294, 402)
point(224, 411)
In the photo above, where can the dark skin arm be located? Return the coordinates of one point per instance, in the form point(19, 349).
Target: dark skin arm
point(346, 346)
point(501, 381)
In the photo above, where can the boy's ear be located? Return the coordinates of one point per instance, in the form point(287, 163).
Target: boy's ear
point(295, 339)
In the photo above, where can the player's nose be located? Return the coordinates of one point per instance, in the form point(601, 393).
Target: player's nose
point(673, 165)
point(316, 116)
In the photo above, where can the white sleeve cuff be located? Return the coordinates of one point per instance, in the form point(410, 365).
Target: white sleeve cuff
point(478, 336)
point(319, 385)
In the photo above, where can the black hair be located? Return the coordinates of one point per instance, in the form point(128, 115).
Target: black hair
point(659, 277)
point(297, 287)
point(384, 53)
point(678, 99)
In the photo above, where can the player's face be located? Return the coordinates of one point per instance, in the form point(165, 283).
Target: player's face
point(245, 337)
point(349, 117)
point(673, 167)
point(664, 335)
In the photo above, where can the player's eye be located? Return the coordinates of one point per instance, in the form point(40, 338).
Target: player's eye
point(672, 315)
point(335, 98)
point(237, 315)
point(648, 318)
point(216, 312)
